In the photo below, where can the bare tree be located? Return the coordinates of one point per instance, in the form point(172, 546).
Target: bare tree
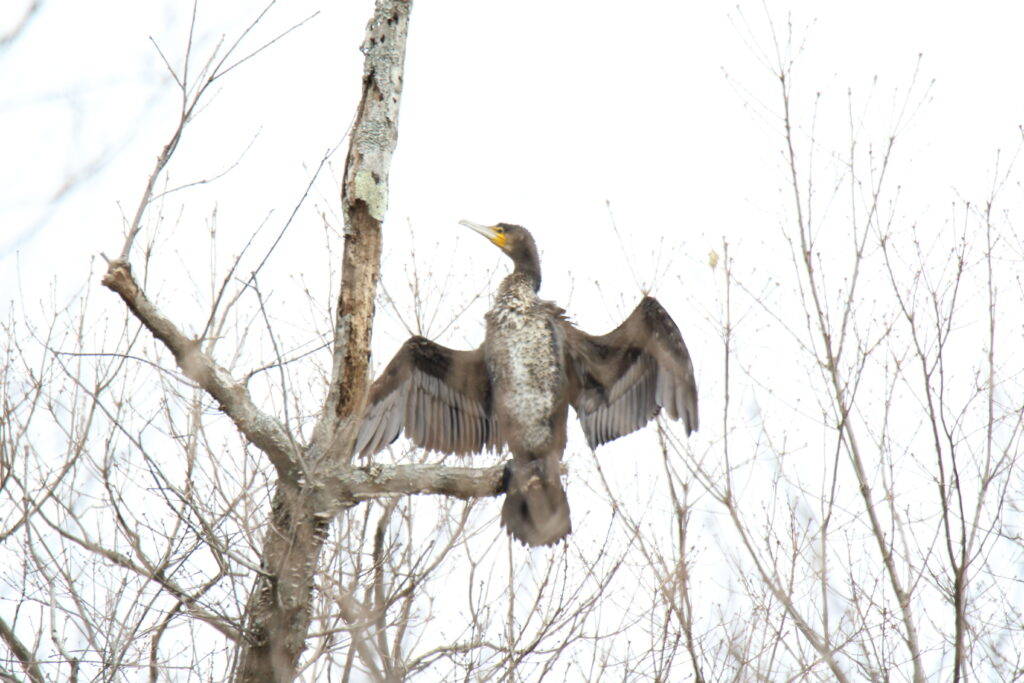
point(209, 549)
point(864, 513)
point(313, 480)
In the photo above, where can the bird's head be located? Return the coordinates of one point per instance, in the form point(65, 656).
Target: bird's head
point(517, 243)
point(503, 235)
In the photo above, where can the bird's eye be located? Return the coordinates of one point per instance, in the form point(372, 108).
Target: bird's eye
point(500, 230)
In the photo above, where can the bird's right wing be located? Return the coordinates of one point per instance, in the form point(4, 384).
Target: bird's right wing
point(440, 397)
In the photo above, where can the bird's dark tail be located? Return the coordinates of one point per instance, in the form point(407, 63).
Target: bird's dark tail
point(536, 511)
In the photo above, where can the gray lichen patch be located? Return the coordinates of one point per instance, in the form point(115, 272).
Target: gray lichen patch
point(373, 193)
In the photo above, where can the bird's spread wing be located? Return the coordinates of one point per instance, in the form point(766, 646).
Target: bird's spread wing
point(626, 376)
point(439, 396)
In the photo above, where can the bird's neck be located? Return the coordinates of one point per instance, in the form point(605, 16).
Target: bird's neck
point(516, 290)
point(527, 262)
point(529, 272)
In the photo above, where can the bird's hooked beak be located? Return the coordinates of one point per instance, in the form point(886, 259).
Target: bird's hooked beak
point(494, 233)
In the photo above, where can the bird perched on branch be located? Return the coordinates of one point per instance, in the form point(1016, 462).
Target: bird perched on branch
point(516, 388)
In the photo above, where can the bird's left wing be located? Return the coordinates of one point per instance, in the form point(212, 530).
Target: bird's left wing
point(440, 397)
point(626, 376)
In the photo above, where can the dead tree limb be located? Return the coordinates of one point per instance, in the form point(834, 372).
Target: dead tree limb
point(279, 607)
point(364, 199)
point(263, 430)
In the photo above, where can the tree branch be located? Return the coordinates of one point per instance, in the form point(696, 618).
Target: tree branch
point(18, 649)
point(263, 430)
point(349, 486)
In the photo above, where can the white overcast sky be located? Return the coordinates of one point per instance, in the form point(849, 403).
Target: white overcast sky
point(538, 113)
point(530, 112)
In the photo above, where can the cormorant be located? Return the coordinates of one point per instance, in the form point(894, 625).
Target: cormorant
point(516, 389)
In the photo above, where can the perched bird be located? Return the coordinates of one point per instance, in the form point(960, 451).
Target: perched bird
point(516, 388)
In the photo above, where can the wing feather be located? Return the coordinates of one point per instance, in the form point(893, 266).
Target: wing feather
point(438, 396)
point(626, 376)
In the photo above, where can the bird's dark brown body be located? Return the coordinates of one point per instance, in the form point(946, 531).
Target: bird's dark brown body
point(516, 388)
point(525, 355)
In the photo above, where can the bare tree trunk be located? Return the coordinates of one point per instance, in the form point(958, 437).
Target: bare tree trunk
point(364, 199)
point(278, 614)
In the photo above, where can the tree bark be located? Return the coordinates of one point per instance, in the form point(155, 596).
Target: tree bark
point(278, 613)
point(364, 199)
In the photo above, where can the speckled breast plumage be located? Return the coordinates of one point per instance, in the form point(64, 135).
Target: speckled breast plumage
point(523, 351)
